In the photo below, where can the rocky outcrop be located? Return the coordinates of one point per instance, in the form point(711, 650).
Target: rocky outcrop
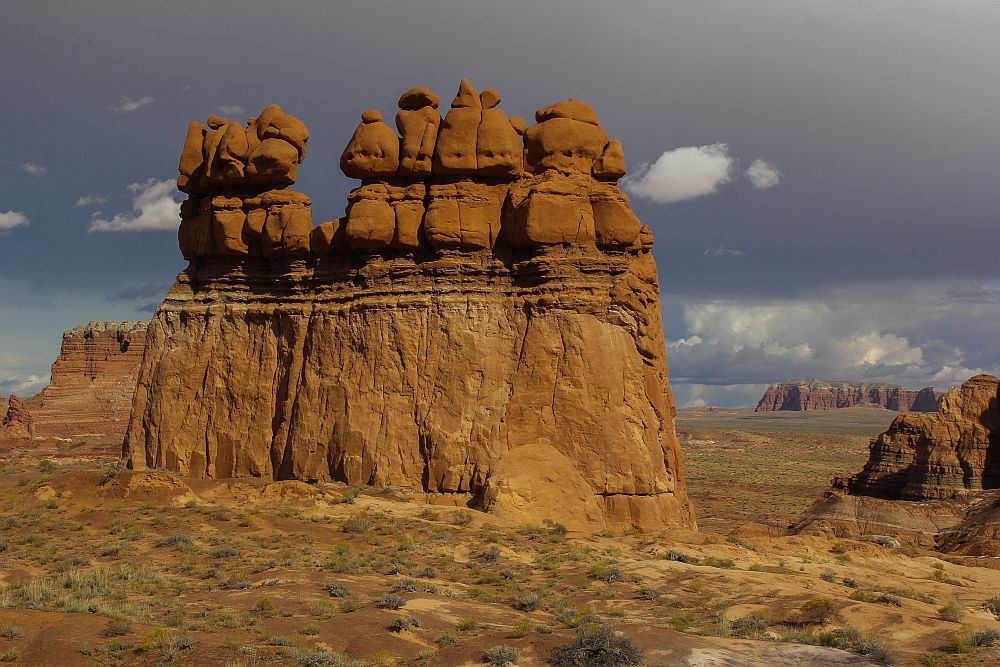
point(943, 468)
point(483, 325)
point(89, 396)
point(823, 395)
point(943, 455)
point(18, 423)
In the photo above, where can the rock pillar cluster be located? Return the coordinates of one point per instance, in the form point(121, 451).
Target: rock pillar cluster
point(482, 325)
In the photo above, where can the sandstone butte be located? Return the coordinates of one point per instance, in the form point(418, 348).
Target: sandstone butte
point(825, 395)
point(930, 479)
point(89, 395)
point(482, 325)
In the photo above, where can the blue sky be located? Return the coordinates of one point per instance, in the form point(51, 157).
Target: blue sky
point(821, 177)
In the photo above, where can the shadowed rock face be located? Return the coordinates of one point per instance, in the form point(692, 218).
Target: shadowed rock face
point(486, 335)
point(942, 455)
point(821, 395)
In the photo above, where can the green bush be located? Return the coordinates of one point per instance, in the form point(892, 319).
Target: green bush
point(951, 612)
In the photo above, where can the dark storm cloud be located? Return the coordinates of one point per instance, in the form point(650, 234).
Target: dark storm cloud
point(877, 119)
point(137, 292)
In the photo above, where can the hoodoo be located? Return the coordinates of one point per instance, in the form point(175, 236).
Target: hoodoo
point(482, 325)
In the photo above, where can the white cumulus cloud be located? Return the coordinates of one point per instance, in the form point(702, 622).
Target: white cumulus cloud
point(128, 105)
point(721, 251)
point(682, 173)
point(762, 174)
point(33, 169)
point(12, 219)
point(231, 109)
point(89, 200)
point(154, 207)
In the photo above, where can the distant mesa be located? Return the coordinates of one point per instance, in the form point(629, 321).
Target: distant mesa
point(482, 325)
point(827, 395)
point(931, 479)
point(89, 395)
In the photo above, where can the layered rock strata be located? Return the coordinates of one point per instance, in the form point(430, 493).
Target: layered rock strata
point(930, 476)
point(483, 325)
point(92, 384)
point(823, 395)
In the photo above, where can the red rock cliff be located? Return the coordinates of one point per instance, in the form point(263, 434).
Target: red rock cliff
point(483, 324)
point(93, 381)
point(822, 395)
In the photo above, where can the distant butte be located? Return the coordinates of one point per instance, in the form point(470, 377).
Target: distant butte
point(826, 395)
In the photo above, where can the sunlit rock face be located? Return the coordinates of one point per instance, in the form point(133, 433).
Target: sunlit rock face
point(483, 324)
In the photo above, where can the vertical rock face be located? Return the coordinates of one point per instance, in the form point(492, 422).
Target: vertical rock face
point(93, 382)
point(936, 456)
point(822, 395)
point(472, 328)
point(18, 423)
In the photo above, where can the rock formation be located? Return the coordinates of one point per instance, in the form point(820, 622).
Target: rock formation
point(18, 423)
point(823, 395)
point(482, 325)
point(928, 474)
point(93, 381)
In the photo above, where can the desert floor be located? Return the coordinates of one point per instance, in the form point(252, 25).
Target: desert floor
point(104, 566)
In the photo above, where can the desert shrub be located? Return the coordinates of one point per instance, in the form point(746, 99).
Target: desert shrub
point(3, 547)
point(724, 563)
point(10, 631)
point(337, 590)
point(315, 657)
point(968, 639)
point(829, 576)
point(116, 628)
point(501, 656)
point(605, 572)
point(429, 515)
point(678, 557)
point(10, 656)
point(886, 599)
point(527, 603)
point(224, 552)
point(467, 624)
point(872, 649)
point(401, 623)
point(649, 593)
point(992, 605)
point(361, 522)
point(850, 583)
point(988, 637)
point(172, 540)
point(391, 601)
point(951, 612)
point(447, 639)
point(815, 611)
point(404, 585)
point(461, 518)
point(491, 554)
point(682, 620)
point(276, 640)
point(555, 527)
point(597, 646)
point(265, 608)
point(748, 627)
point(427, 573)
